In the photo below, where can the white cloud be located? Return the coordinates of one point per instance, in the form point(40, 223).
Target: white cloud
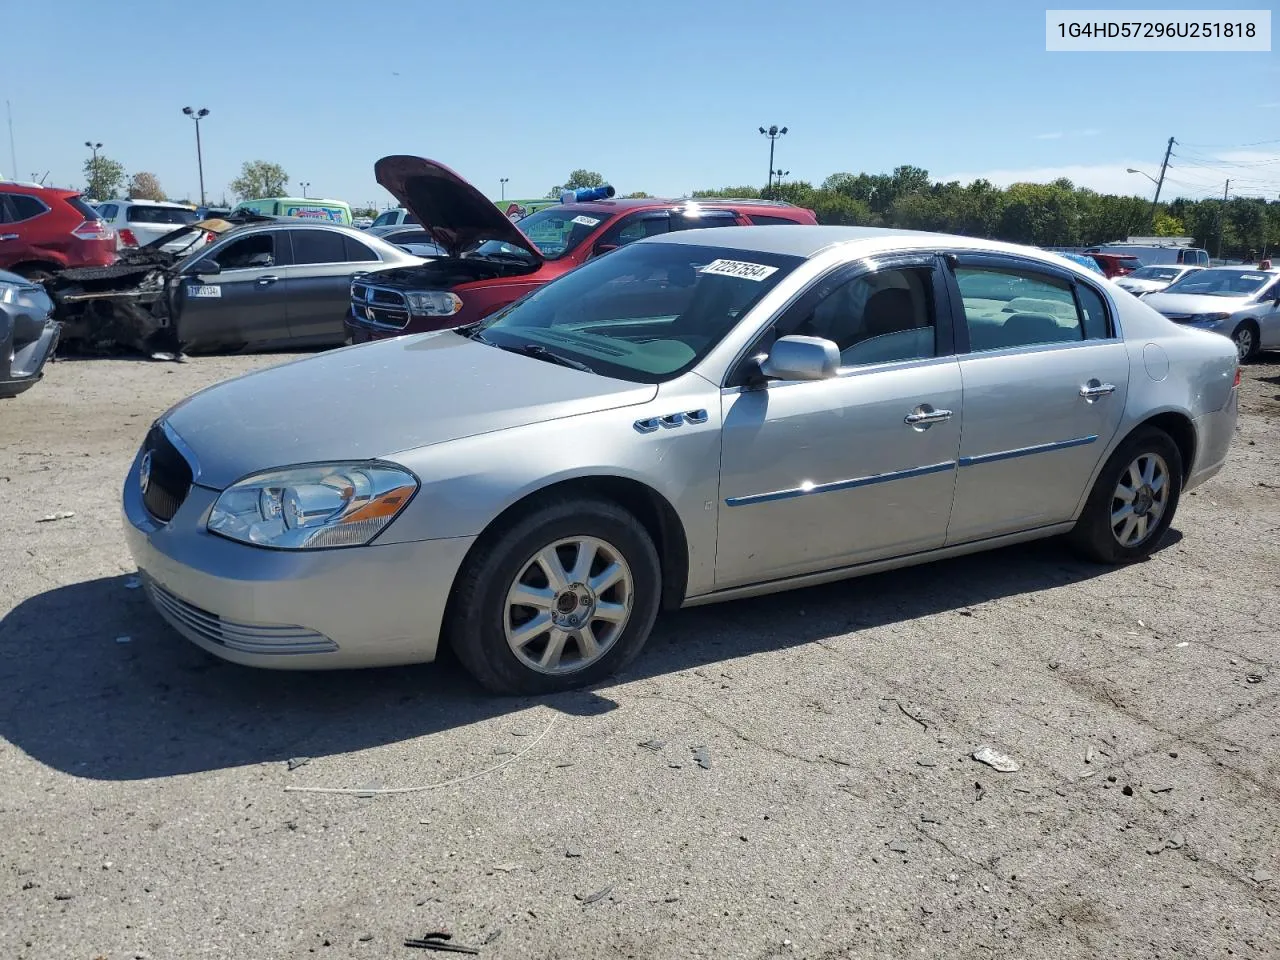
point(1057, 135)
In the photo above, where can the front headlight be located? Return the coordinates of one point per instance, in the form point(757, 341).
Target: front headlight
point(434, 303)
point(307, 508)
point(9, 292)
point(1209, 317)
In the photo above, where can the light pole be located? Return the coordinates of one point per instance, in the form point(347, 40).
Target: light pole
point(780, 174)
point(773, 133)
point(95, 147)
point(1147, 175)
point(503, 185)
point(197, 116)
point(304, 184)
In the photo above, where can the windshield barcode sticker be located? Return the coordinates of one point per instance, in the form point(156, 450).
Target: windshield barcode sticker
point(204, 291)
point(584, 221)
point(739, 268)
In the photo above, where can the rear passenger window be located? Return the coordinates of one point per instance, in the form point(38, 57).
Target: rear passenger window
point(1016, 308)
point(317, 246)
point(356, 251)
point(24, 207)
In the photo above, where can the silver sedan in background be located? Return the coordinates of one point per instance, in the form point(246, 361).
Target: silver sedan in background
point(692, 418)
point(1242, 303)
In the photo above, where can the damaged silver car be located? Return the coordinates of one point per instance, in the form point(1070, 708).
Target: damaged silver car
point(28, 333)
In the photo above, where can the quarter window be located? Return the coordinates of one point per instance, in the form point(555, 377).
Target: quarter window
point(318, 246)
point(877, 318)
point(761, 220)
point(1017, 308)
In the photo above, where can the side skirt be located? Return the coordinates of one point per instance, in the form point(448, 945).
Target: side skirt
point(876, 566)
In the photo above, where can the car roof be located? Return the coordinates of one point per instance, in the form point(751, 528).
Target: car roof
point(804, 240)
point(627, 204)
point(130, 201)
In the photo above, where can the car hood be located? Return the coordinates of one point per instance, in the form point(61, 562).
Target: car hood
point(1181, 304)
point(377, 399)
point(454, 212)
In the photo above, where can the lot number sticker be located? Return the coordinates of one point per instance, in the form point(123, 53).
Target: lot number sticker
point(205, 291)
point(739, 268)
point(584, 221)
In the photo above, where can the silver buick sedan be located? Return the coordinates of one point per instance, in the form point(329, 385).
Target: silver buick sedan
point(695, 417)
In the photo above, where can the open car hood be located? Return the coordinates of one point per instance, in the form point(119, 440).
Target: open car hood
point(456, 214)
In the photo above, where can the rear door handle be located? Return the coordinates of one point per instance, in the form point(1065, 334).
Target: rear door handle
point(8, 236)
point(1095, 389)
point(267, 281)
point(924, 415)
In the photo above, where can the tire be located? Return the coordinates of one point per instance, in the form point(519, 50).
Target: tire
point(1247, 341)
point(1094, 536)
point(485, 612)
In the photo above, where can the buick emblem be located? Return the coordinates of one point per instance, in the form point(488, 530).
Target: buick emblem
point(144, 473)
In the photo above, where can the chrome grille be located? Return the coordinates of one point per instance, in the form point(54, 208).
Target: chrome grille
point(169, 479)
point(379, 307)
point(256, 638)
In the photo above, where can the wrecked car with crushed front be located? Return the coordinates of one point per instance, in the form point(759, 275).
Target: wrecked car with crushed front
point(28, 333)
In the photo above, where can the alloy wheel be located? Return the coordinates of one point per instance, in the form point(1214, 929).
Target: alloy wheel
point(568, 605)
point(1140, 499)
point(1244, 343)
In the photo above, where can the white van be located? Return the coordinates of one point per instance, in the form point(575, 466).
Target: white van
point(1153, 251)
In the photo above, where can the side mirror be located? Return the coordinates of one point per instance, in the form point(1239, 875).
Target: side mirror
point(801, 358)
point(602, 248)
point(206, 267)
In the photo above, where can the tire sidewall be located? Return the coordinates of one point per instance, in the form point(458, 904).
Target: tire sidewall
point(478, 632)
point(1099, 539)
point(1254, 331)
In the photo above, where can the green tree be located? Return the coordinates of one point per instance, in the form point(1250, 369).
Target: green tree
point(145, 186)
point(1169, 226)
point(104, 176)
point(258, 178)
point(577, 181)
point(638, 195)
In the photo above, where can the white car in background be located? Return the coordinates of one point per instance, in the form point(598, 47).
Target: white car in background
point(396, 217)
point(1154, 278)
point(139, 222)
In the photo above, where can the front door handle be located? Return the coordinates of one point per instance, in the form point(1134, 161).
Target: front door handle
point(8, 236)
point(267, 281)
point(1095, 389)
point(925, 415)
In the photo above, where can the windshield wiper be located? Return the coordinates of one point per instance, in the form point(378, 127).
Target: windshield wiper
point(542, 353)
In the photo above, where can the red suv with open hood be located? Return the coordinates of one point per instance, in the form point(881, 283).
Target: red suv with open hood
point(491, 262)
point(44, 229)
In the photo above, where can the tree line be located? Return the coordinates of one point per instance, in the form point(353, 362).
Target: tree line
point(1057, 214)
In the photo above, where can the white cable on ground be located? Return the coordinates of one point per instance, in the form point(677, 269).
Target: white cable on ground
point(370, 791)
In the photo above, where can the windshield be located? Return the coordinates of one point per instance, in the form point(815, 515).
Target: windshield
point(1220, 282)
point(645, 312)
point(555, 231)
point(1155, 273)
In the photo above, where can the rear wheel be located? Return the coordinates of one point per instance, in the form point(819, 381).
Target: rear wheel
point(1247, 341)
point(1133, 501)
point(564, 597)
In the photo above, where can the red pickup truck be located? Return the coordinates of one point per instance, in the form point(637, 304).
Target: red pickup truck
point(491, 261)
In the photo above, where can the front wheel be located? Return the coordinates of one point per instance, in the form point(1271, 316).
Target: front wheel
point(564, 597)
point(1247, 341)
point(1133, 501)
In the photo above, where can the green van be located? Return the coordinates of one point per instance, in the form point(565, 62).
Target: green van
point(331, 211)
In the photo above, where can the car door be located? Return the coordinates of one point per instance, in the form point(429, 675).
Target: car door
point(324, 261)
point(857, 467)
point(1045, 380)
point(245, 302)
point(1269, 317)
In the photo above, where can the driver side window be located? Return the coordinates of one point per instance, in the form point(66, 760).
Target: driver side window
point(880, 317)
point(252, 252)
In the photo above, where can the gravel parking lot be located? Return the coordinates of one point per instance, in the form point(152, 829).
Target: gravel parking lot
point(788, 776)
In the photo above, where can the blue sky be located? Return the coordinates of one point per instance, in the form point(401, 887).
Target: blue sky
point(664, 96)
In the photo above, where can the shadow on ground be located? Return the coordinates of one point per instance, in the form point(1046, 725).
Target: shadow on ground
point(75, 698)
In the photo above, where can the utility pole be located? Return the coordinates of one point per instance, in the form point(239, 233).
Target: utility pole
point(1222, 217)
point(13, 151)
point(1160, 183)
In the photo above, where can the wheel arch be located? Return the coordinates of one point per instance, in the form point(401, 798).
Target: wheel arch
point(650, 508)
point(47, 266)
point(1181, 429)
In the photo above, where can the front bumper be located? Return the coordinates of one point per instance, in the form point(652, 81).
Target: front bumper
point(27, 341)
point(295, 610)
